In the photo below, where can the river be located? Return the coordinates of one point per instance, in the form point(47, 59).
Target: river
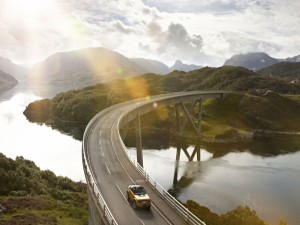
point(264, 176)
point(269, 184)
point(48, 148)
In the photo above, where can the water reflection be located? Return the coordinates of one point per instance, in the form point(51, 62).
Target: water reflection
point(266, 177)
point(48, 148)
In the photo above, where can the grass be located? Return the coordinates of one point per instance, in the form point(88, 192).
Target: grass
point(241, 114)
point(41, 210)
point(294, 97)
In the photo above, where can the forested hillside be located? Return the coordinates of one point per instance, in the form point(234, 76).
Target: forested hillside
point(282, 69)
point(240, 115)
point(29, 195)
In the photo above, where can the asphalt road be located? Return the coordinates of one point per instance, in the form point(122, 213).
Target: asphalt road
point(112, 170)
point(114, 173)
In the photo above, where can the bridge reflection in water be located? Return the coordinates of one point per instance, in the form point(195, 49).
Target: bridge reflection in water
point(110, 168)
point(188, 176)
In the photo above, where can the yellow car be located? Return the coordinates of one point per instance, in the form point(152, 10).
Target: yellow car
point(138, 196)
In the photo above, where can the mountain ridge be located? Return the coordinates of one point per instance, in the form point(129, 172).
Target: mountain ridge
point(284, 68)
point(17, 71)
point(6, 81)
point(257, 60)
point(179, 65)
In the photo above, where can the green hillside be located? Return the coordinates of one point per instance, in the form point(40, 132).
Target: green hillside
point(225, 78)
point(29, 195)
point(282, 69)
point(238, 116)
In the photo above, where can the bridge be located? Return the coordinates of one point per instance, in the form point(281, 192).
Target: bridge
point(109, 167)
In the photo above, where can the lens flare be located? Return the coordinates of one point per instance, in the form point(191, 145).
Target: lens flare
point(137, 87)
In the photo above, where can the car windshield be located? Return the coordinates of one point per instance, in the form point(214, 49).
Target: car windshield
point(139, 191)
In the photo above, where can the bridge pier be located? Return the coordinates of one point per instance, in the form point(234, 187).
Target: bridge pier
point(196, 152)
point(188, 117)
point(138, 138)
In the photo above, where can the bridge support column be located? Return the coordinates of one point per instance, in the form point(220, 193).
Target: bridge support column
point(188, 116)
point(138, 138)
point(195, 152)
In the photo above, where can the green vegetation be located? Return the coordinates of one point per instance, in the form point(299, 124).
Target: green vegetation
point(265, 106)
point(242, 215)
point(33, 196)
point(282, 69)
point(236, 118)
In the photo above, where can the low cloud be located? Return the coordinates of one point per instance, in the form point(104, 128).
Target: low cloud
point(176, 43)
point(120, 27)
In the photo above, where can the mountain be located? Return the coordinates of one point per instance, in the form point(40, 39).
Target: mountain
point(252, 61)
point(229, 78)
point(282, 69)
point(85, 67)
point(152, 66)
point(6, 81)
point(293, 59)
point(19, 72)
point(184, 67)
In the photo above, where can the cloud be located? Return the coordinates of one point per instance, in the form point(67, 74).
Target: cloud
point(121, 28)
point(176, 43)
point(200, 32)
point(212, 6)
point(178, 38)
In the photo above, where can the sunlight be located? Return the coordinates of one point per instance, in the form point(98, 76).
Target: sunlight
point(138, 87)
point(31, 8)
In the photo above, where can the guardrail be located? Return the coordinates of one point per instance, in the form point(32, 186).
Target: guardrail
point(90, 178)
point(107, 215)
point(171, 200)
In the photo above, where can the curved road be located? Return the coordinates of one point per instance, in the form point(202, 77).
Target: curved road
point(113, 172)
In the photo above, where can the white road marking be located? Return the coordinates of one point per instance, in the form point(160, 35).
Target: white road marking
point(113, 145)
point(165, 218)
point(121, 192)
point(107, 169)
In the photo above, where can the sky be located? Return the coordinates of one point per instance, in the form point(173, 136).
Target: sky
point(202, 32)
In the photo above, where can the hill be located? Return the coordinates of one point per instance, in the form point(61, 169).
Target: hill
point(252, 61)
point(151, 66)
point(6, 81)
point(184, 67)
point(225, 78)
point(282, 69)
point(19, 72)
point(245, 112)
point(29, 195)
point(85, 67)
point(80, 68)
point(293, 59)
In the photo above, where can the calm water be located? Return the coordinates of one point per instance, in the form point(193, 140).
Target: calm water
point(48, 148)
point(267, 182)
point(270, 185)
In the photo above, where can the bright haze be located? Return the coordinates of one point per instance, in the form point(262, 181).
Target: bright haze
point(202, 32)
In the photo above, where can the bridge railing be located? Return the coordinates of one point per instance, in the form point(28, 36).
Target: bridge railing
point(90, 178)
point(171, 200)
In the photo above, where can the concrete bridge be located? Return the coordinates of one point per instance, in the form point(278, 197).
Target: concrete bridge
point(109, 167)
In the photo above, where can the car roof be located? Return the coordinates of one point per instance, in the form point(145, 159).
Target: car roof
point(134, 185)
